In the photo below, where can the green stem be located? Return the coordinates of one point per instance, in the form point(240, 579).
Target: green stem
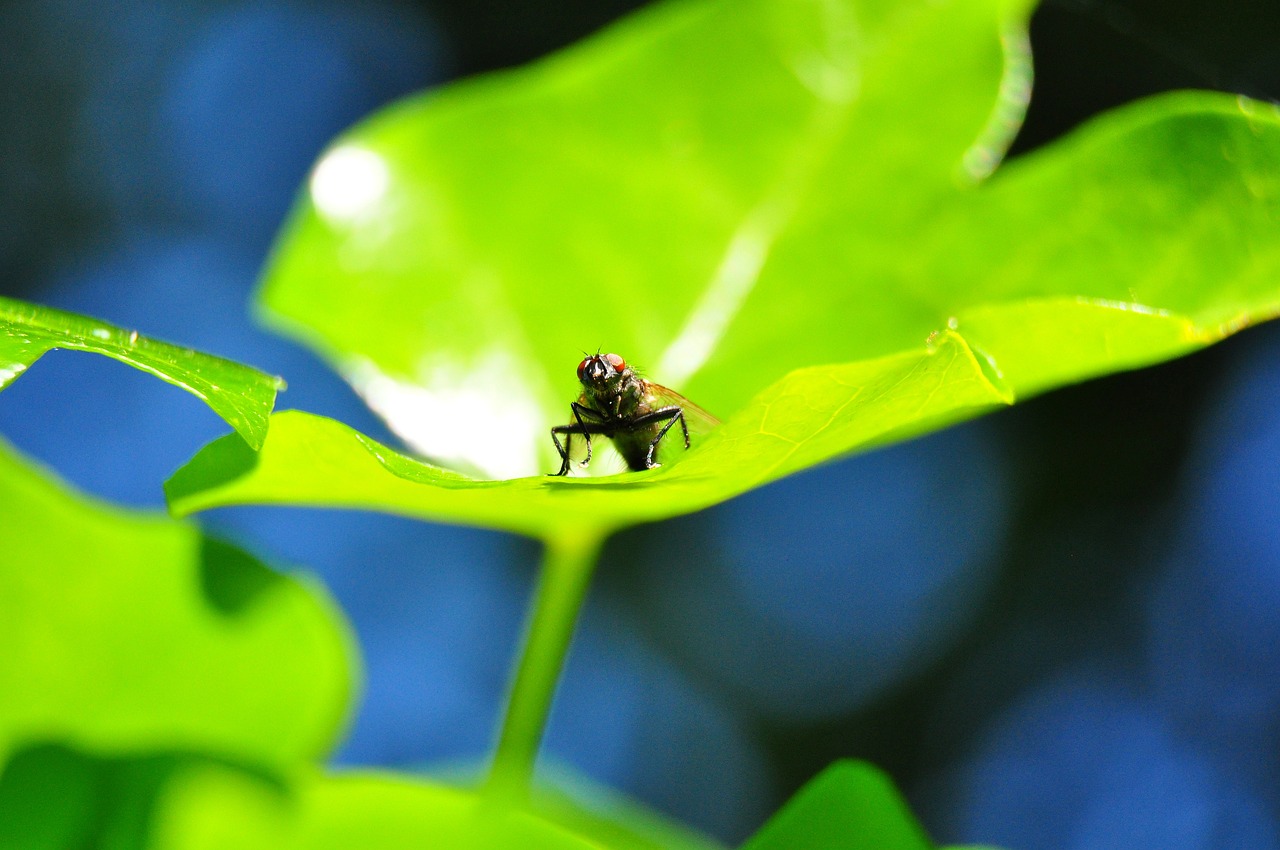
point(566, 572)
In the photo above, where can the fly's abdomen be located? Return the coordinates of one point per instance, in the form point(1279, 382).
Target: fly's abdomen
point(634, 445)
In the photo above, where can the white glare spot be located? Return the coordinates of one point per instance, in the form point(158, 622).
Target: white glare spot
point(102, 333)
point(348, 182)
point(11, 371)
point(733, 281)
point(1126, 306)
point(473, 418)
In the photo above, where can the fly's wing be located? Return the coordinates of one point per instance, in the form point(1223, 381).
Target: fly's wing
point(699, 421)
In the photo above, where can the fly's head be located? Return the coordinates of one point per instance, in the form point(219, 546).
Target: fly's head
point(609, 382)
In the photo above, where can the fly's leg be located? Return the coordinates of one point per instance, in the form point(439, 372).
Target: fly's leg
point(678, 416)
point(672, 415)
point(585, 429)
point(578, 410)
point(568, 431)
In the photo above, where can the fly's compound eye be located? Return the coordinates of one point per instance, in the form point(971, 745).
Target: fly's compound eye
point(582, 368)
point(616, 362)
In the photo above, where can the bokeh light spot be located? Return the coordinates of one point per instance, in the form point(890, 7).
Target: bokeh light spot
point(348, 182)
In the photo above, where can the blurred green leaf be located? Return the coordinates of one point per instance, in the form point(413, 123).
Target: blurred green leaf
point(124, 631)
point(849, 806)
point(239, 394)
point(211, 808)
point(809, 416)
point(397, 812)
point(53, 798)
point(47, 801)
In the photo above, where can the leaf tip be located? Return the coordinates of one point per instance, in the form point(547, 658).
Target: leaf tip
point(216, 465)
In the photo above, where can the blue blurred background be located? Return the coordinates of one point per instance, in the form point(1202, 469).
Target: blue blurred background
point(1057, 628)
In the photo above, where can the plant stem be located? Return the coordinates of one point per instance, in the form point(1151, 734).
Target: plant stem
point(567, 566)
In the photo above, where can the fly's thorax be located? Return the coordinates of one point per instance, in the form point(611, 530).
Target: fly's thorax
point(631, 396)
point(618, 396)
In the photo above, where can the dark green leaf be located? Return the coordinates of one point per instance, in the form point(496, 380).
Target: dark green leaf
point(849, 806)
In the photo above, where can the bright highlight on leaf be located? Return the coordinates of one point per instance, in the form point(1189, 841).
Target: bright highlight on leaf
point(349, 182)
point(241, 395)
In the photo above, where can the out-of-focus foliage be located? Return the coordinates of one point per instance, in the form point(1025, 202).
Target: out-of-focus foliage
point(849, 806)
point(131, 635)
point(127, 631)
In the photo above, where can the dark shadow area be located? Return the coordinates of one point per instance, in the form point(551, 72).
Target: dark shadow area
point(218, 463)
point(54, 797)
point(231, 578)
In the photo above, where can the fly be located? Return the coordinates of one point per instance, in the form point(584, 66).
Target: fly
point(632, 412)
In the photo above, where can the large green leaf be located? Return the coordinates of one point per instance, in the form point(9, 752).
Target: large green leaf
point(740, 195)
point(123, 631)
point(811, 415)
point(240, 395)
point(642, 192)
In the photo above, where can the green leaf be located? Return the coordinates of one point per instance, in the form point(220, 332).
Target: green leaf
point(810, 416)
point(125, 631)
point(849, 806)
point(397, 812)
point(55, 797)
point(741, 195)
point(211, 807)
point(239, 394)
point(642, 191)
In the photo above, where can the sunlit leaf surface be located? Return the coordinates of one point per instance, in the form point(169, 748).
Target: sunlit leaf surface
point(239, 394)
point(130, 632)
point(809, 416)
point(199, 804)
point(782, 210)
point(214, 808)
point(647, 192)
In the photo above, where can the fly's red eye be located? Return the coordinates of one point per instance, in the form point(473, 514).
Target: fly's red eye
point(582, 368)
point(616, 362)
